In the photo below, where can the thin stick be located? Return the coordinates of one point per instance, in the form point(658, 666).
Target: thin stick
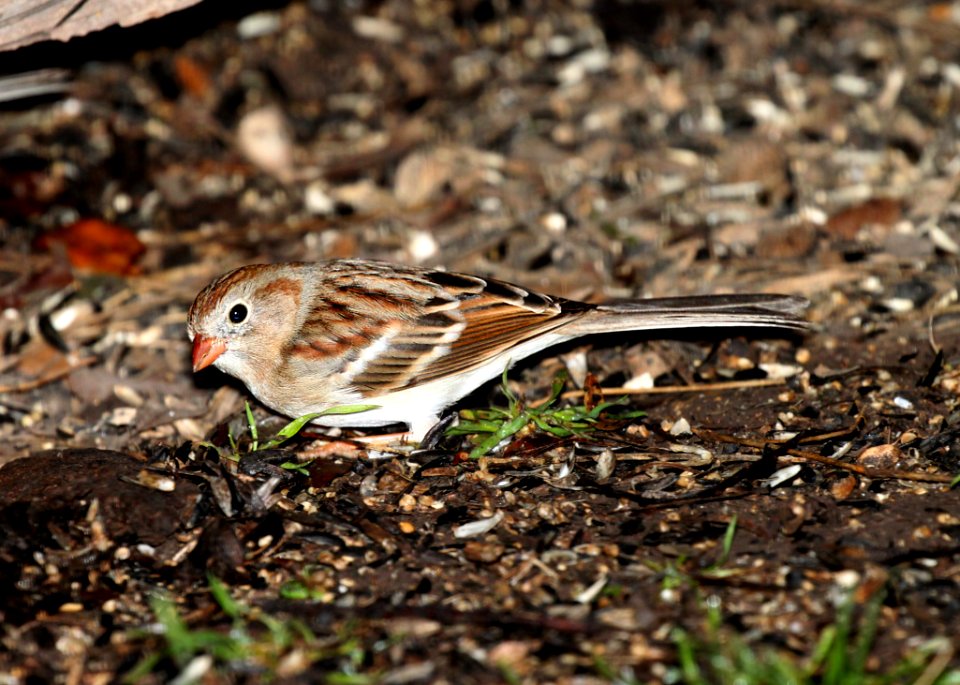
point(674, 389)
point(829, 461)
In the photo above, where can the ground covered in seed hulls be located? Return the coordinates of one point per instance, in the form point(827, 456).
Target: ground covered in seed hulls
point(778, 490)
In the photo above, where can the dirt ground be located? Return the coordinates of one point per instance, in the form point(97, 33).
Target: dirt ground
point(594, 149)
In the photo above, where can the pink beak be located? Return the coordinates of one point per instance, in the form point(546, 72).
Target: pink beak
point(206, 351)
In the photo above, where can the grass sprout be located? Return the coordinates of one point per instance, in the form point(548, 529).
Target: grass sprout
point(840, 656)
point(253, 640)
point(294, 427)
point(492, 426)
point(286, 433)
point(252, 635)
point(718, 655)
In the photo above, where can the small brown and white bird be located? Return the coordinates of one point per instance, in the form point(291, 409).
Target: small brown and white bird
point(305, 337)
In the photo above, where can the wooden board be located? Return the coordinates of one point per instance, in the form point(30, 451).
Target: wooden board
point(23, 22)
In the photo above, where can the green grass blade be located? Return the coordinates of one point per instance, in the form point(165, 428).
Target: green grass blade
point(866, 633)
point(471, 427)
point(175, 631)
point(728, 541)
point(513, 402)
point(142, 669)
point(348, 409)
point(252, 425)
point(303, 469)
point(294, 427)
point(559, 382)
point(686, 658)
point(505, 431)
point(221, 595)
point(836, 665)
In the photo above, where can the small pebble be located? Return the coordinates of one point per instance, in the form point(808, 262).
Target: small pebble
point(258, 24)
point(902, 402)
point(317, 201)
point(680, 427)
point(263, 138)
point(478, 527)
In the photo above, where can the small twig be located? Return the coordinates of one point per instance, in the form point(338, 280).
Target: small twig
point(832, 435)
point(931, 334)
point(829, 461)
point(673, 389)
point(872, 473)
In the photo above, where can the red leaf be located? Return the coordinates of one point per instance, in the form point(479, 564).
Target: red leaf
point(95, 246)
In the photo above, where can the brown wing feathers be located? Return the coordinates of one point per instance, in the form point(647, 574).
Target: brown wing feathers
point(424, 325)
point(455, 335)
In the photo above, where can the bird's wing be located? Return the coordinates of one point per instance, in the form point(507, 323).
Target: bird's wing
point(395, 334)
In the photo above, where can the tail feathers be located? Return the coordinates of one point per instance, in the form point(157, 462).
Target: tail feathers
point(708, 311)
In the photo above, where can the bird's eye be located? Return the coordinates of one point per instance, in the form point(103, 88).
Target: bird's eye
point(238, 313)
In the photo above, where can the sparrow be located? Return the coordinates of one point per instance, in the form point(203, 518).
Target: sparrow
point(411, 341)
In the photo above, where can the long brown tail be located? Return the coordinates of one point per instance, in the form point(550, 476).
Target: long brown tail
point(709, 311)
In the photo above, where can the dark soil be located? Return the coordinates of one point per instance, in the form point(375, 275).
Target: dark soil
point(593, 150)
